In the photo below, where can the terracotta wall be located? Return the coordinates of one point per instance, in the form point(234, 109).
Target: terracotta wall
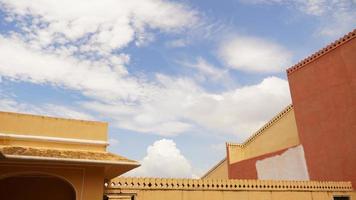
point(324, 98)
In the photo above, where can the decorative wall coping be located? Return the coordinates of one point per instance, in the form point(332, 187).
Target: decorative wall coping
point(322, 52)
point(224, 184)
point(263, 128)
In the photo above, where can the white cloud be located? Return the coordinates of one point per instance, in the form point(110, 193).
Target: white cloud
point(96, 26)
point(94, 79)
point(179, 105)
point(164, 105)
point(207, 70)
point(253, 54)
point(336, 17)
point(177, 43)
point(163, 159)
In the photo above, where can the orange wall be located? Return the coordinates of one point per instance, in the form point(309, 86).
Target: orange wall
point(324, 99)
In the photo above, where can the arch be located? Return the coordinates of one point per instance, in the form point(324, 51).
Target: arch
point(35, 186)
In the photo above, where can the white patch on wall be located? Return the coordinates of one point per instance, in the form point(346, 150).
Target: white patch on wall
point(290, 165)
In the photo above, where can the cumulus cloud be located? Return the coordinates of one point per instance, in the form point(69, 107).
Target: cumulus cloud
point(254, 54)
point(163, 159)
point(180, 105)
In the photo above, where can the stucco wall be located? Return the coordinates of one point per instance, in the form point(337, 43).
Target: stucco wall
point(16, 123)
point(208, 189)
point(246, 169)
point(229, 195)
point(323, 89)
point(31, 130)
point(290, 165)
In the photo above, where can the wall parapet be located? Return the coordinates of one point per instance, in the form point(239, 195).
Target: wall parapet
point(225, 184)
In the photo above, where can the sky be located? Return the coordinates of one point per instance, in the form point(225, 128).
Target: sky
point(175, 80)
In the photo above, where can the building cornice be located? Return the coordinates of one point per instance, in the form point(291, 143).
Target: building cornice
point(53, 139)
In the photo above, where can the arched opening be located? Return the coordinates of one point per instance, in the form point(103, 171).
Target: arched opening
point(35, 187)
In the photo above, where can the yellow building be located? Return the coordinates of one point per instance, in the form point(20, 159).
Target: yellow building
point(63, 159)
point(54, 158)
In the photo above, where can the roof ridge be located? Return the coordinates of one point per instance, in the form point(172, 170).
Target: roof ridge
point(264, 127)
point(322, 51)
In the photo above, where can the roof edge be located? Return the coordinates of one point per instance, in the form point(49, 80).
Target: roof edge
point(88, 161)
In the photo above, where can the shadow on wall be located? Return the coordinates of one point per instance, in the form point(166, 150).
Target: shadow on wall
point(35, 187)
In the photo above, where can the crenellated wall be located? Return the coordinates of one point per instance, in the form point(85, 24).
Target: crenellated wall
point(222, 189)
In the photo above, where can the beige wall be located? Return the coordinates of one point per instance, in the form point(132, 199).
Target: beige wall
point(40, 131)
point(209, 189)
point(218, 172)
point(87, 181)
point(228, 195)
point(280, 133)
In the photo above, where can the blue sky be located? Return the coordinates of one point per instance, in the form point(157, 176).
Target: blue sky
point(175, 79)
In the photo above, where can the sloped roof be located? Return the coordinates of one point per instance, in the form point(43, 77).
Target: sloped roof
point(17, 152)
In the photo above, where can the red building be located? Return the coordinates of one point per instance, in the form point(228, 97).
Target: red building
point(313, 139)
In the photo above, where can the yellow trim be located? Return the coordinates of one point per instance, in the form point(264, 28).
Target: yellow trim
point(52, 139)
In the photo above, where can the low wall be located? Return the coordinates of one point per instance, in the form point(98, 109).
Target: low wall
point(211, 189)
